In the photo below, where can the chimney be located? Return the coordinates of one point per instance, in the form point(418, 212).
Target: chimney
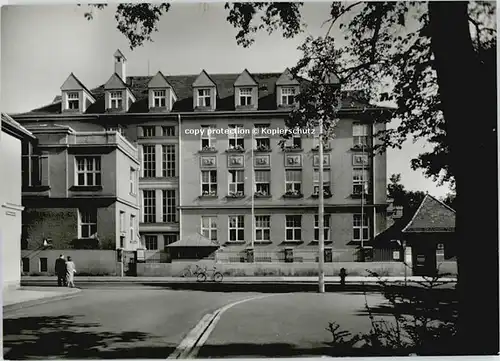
point(120, 63)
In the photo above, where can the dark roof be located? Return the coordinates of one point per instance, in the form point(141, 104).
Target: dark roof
point(194, 240)
point(182, 85)
point(81, 84)
point(432, 216)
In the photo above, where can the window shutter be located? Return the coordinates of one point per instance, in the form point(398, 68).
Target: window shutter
point(45, 176)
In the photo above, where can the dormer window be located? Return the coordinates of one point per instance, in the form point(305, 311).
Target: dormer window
point(73, 101)
point(203, 97)
point(288, 95)
point(116, 100)
point(245, 96)
point(160, 98)
point(118, 59)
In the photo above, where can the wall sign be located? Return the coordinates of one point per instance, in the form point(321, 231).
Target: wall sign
point(262, 161)
point(293, 160)
point(208, 161)
point(235, 161)
point(326, 160)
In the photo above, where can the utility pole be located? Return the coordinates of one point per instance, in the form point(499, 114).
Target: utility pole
point(362, 200)
point(321, 241)
point(253, 190)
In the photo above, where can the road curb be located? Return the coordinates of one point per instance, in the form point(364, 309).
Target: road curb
point(40, 301)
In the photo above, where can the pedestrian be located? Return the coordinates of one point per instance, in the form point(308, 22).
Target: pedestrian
point(71, 270)
point(60, 269)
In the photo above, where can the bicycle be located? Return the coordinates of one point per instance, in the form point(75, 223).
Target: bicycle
point(216, 276)
point(188, 272)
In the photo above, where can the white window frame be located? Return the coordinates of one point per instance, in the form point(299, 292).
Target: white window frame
point(262, 182)
point(238, 227)
point(149, 205)
point(168, 131)
point(132, 227)
point(236, 181)
point(31, 166)
point(235, 139)
point(326, 181)
point(169, 205)
point(168, 160)
point(211, 186)
point(263, 224)
point(360, 179)
point(149, 131)
point(246, 96)
point(116, 100)
point(148, 238)
point(291, 185)
point(326, 224)
point(87, 223)
point(204, 97)
point(149, 161)
point(356, 219)
point(209, 232)
point(360, 134)
point(88, 165)
point(123, 229)
point(159, 98)
point(208, 136)
point(132, 181)
point(289, 219)
point(288, 95)
point(72, 98)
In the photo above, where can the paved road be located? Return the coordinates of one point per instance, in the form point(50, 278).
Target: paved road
point(151, 322)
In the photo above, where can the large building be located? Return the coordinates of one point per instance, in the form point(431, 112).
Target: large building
point(194, 181)
point(12, 135)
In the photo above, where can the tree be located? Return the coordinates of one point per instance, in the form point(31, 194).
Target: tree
point(438, 60)
point(409, 200)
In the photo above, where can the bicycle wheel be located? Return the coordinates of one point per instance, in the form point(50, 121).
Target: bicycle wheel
point(218, 277)
point(202, 277)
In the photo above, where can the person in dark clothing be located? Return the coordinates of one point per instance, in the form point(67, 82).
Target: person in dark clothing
point(60, 269)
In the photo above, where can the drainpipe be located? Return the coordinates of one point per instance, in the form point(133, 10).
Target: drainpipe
point(180, 176)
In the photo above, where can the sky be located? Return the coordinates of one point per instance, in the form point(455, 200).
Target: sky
point(42, 45)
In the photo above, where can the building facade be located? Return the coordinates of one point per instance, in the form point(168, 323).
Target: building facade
point(241, 189)
point(80, 190)
point(12, 135)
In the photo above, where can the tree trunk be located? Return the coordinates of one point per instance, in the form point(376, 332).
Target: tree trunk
point(468, 93)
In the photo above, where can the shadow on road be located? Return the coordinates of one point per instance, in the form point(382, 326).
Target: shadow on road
point(63, 337)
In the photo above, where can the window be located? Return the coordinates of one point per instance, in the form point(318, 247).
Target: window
point(169, 238)
point(88, 170)
point(263, 143)
point(326, 225)
point(149, 205)
point(160, 98)
point(73, 101)
point(358, 228)
point(360, 134)
point(236, 140)
point(43, 264)
point(117, 129)
point(262, 228)
point(132, 228)
point(263, 182)
point(293, 228)
point(149, 131)
point(236, 182)
point(295, 142)
point(207, 137)
point(88, 223)
point(149, 161)
point(287, 96)
point(132, 181)
point(246, 96)
point(360, 181)
point(115, 100)
point(169, 206)
point(31, 166)
point(26, 264)
point(236, 228)
point(151, 242)
point(326, 182)
point(293, 181)
point(209, 182)
point(168, 131)
point(204, 97)
point(209, 227)
point(122, 222)
point(440, 249)
point(168, 166)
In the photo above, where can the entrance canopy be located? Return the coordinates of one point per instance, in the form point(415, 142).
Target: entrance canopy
point(194, 240)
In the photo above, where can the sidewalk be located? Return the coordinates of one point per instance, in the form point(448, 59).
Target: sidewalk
point(227, 279)
point(29, 296)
